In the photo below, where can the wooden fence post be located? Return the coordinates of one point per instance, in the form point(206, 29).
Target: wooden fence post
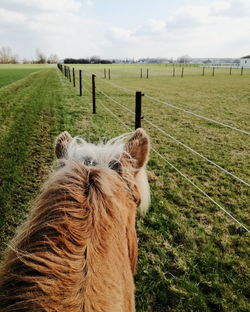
point(74, 77)
point(65, 71)
point(230, 71)
point(93, 94)
point(203, 71)
point(241, 73)
point(80, 82)
point(105, 75)
point(141, 72)
point(138, 96)
point(173, 71)
point(109, 73)
point(147, 73)
point(182, 71)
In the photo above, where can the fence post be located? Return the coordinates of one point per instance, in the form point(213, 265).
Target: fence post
point(213, 72)
point(182, 71)
point(93, 94)
point(147, 73)
point(109, 73)
point(138, 96)
point(80, 81)
point(203, 71)
point(74, 77)
point(241, 71)
point(69, 74)
point(230, 71)
point(141, 72)
point(173, 71)
point(105, 76)
point(65, 71)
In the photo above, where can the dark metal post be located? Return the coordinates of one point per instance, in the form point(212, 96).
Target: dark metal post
point(203, 71)
point(69, 74)
point(147, 73)
point(80, 81)
point(141, 72)
point(213, 72)
point(138, 96)
point(65, 71)
point(105, 75)
point(230, 71)
point(241, 71)
point(93, 94)
point(173, 71)
point(109, 73)
point(74, 78)
point(182, 71)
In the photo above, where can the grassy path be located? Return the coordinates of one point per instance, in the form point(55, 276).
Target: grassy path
point(32, 114)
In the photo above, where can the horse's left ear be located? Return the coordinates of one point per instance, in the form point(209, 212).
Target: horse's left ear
point(138, 148)
point(61, 144)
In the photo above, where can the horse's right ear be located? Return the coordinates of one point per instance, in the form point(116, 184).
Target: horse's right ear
point(61, 144)
point(138, 148)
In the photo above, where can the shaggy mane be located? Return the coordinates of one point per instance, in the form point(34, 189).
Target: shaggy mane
point(77, 250)
point(77, 227)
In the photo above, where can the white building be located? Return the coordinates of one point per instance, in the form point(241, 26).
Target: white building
point(245, 61)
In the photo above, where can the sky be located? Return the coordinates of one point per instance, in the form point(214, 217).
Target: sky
point(126, 29)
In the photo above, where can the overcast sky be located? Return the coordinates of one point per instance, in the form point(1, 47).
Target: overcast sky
point(131, 28)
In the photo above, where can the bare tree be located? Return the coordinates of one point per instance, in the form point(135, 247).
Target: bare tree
point(6, 56)
point(40, 57)
point(53, 59)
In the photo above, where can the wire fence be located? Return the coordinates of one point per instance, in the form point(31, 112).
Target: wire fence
point(91, 88)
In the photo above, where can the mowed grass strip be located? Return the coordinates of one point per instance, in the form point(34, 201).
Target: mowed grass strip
point(36, 112)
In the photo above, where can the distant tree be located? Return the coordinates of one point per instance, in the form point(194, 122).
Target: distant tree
point(184, 59)
point(53, 59)
point(40, 57)
point(95, 60)
point(7, 57)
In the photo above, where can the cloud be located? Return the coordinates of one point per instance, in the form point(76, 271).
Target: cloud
point(151, 27)
point(9, 17)
point(61, 27)
point(89, 3)
point(42, 5)
point(233, 8)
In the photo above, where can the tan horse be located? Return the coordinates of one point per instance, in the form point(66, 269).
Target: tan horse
point(77, 251)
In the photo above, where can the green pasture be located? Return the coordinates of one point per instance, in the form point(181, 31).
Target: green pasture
point(11, 73)
point(192, 257)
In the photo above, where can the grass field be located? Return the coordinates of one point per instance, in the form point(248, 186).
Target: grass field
point(192, 257)
point(12, 73)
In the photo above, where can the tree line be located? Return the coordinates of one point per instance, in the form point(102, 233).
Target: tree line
point(91, 60)
point(8, 57)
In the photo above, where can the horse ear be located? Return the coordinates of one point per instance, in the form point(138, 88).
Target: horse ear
point(138, 148)
point(61, 144)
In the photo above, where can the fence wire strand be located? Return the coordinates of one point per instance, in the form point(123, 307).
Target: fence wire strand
point(113, 100)
point(203, 192)
point(113, 114)
point(197, 115)
point(197, 153)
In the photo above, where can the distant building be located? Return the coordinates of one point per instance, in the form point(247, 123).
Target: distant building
point(245, 61)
